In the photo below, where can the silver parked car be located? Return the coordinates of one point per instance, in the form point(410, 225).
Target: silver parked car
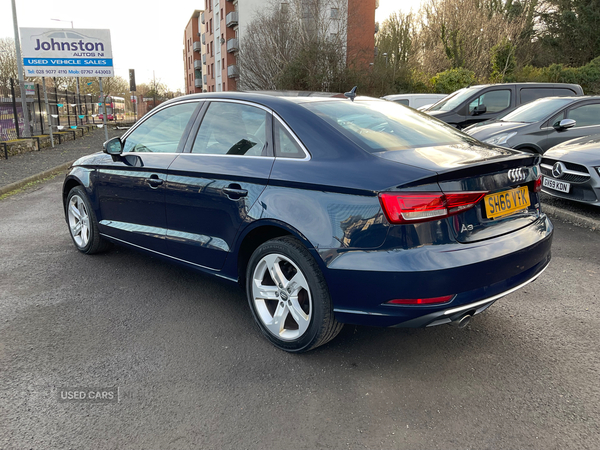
point(572, 170)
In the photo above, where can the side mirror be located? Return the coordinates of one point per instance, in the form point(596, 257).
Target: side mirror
point(564, 124)
point(481, 109)
point(113, 146)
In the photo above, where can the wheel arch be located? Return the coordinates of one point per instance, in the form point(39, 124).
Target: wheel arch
point(68, 185)
point(257, 234)
point(77, 177)
point(528, 147)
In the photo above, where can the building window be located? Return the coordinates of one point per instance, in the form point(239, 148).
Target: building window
point(223, 86)
point(212, 70)
point(335, 13)
point(211, 48)
point(223, 67)
point(285, 7)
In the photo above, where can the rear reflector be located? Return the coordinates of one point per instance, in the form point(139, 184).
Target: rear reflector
point(537, 186)
point(411, 207)
point(420, 301)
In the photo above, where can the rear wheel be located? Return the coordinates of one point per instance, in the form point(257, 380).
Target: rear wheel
point(82, 223)
point(288, 296)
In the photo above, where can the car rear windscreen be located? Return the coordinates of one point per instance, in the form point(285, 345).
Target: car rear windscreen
point(384, 126)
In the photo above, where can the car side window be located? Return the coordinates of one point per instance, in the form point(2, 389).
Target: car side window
point(403, 101)
point(232, 129)
point(285, 145)
point(531, 94)
point(494, 101)
point(586, 115)
point(563, 92)
point(161, 132)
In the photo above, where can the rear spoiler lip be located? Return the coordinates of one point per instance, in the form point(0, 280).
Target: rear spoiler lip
point(431, 183)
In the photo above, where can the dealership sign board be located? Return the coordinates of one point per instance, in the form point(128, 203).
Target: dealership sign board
point(66, 52)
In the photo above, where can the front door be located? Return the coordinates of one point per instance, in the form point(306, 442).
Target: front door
point(131, 189)
point(495, 101)
point(587, 122)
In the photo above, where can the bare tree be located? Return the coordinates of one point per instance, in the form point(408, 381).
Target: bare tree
point(8, 63)
point(462, 33)
point(296, 45)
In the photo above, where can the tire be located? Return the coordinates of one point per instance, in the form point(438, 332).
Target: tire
point(82, 222)
point(288, 296)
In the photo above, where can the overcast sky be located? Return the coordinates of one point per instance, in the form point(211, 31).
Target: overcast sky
point(146, 36)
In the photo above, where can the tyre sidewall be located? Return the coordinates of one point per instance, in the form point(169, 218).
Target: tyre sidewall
point(94, 234)
point(319, 294)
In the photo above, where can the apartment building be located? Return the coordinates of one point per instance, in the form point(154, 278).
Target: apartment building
point(224, 23)
point(192, 57)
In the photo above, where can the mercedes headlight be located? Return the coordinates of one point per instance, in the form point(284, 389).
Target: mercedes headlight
point(499, 139)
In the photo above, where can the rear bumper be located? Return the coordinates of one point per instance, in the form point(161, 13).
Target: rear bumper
point(477, 274)
point(455, 313)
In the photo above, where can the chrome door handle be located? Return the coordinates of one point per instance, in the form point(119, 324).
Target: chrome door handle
point(154, 181)
point(235, 191)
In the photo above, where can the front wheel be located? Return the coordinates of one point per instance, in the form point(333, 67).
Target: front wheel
point(288, 296)
point(82, 223)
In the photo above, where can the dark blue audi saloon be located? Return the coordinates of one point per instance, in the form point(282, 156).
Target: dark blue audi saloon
point(325, 210)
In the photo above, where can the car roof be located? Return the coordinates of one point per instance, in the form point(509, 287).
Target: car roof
point(298, 93)
point(271, 99)
point(569, 97)
point(525, 83)
point(433, 94)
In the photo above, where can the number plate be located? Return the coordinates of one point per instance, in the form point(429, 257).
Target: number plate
point(556, 185)
point(506, 202)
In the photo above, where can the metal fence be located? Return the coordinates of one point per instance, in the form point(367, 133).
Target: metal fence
point(67, 110)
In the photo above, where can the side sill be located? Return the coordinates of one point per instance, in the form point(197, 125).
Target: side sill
point(198, 266)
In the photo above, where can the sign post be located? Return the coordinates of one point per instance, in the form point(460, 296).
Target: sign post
point(48, 112)
point(104, 110)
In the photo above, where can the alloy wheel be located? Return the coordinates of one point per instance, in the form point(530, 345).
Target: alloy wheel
point(79, 221)
point(281, 296)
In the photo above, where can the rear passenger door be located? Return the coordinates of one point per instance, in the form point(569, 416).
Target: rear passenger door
point(213, 184)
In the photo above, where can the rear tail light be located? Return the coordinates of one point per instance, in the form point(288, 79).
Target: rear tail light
point(420, 301)
point(537, 186)
point(413, 207)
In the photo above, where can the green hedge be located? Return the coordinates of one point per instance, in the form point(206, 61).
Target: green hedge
point(587, 76)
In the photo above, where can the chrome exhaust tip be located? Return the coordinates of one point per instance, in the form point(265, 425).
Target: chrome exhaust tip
point(462, 322)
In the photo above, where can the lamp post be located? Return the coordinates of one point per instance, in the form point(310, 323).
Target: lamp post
point(78, 103)
point(27, 130)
